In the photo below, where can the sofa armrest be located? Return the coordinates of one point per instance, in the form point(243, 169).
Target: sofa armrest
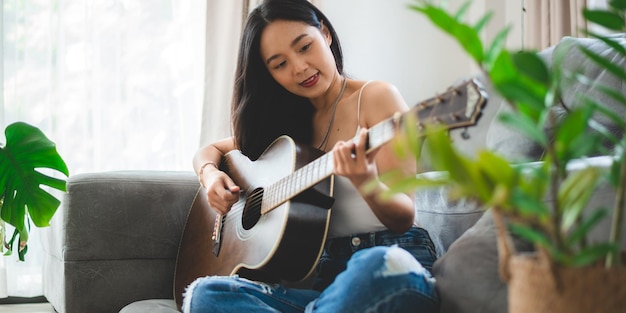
point(115, 239)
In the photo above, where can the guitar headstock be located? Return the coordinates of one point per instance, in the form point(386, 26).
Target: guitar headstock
point(459, 106)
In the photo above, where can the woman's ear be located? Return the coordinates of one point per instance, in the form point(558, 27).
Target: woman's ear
point(326, 33)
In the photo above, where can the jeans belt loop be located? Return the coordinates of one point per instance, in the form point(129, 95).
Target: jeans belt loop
point(372, 239)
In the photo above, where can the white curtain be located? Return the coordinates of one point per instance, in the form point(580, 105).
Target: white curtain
point(116, 84)
point(547, 21)
point(224, 21)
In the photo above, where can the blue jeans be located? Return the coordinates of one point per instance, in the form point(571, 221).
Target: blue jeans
point(378, 272)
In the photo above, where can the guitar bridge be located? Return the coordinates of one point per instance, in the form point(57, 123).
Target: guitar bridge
point(217, 235)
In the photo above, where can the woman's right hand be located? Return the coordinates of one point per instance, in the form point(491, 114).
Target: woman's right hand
point(221, 191)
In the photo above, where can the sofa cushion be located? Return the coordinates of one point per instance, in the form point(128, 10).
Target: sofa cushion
point(574, 94)
point(467, 275)
point(444, 219)
point(151, 306)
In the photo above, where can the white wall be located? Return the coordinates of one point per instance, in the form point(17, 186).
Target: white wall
point(385, 40)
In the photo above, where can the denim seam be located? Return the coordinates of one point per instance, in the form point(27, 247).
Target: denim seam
point(405, 290)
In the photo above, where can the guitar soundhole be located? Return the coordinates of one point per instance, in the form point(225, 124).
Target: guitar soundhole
point(252, 209)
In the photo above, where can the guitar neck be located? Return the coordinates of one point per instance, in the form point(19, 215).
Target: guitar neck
point(459, 107)
point(320, 169)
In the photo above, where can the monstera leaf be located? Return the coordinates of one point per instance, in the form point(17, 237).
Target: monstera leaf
point(27, 152)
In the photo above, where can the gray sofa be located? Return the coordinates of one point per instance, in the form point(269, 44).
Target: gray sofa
point(113, 243)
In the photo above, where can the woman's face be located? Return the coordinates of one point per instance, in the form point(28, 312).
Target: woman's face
point(298, 57)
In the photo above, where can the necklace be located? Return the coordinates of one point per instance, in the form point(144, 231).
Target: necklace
point(332, 116)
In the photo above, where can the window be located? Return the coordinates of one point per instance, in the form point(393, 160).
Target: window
point(116, 84)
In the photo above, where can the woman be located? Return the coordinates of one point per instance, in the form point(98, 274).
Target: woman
point(290, 80)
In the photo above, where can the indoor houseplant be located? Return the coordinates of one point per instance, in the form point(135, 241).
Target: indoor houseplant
point(25, 162)
point(557, 228)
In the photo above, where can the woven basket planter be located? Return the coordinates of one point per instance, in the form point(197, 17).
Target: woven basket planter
point(537, 285)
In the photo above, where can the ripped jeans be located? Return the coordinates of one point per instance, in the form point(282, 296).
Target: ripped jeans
point(375, 272)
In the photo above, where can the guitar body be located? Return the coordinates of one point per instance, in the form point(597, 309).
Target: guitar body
point(282, 244)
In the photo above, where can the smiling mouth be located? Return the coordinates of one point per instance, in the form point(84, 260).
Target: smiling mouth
point(310, 81)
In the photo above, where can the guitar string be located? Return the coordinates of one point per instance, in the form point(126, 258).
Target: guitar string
point(253, 202)
point(256, 201)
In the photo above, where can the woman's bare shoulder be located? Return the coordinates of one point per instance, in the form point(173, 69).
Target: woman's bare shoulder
point(380, 100)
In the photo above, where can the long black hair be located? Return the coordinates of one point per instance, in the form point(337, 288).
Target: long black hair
point(262, 109)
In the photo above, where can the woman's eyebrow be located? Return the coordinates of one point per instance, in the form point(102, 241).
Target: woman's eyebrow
point(293, 43)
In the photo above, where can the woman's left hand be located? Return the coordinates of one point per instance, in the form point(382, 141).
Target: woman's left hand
point(350, 160)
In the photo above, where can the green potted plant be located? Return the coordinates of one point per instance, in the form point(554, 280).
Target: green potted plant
point(28, 153)
point(563, 274)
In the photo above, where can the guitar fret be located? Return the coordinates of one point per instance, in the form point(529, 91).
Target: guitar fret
point(299, 182)
point(302, 178)
point(381, 133)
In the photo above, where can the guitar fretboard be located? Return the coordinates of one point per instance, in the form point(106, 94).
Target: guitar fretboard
point(458, 107)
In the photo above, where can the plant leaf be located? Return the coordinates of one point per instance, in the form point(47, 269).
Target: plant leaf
point(593, 253)
point(496, 47)
point(534, 178)
point(572, 137)
point(579, 233)
point(460, 13)
point(607, 19)
point(483, 21)
point(614, 94)
point(616, 170)
point(27, 150)
point(574, 194)
point(609, 42)
point(606, 111)
point(527, 95)
point(528, 206)
point(467, 37)
point(533, 235)
point(531, 65)
point(496, 168)
point(618, 4)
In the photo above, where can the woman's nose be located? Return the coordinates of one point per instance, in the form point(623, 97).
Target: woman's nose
point(300, 66)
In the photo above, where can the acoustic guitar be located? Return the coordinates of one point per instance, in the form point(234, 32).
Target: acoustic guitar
point(277, 229)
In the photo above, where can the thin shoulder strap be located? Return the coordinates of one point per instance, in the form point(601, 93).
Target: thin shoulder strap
point(358, 112)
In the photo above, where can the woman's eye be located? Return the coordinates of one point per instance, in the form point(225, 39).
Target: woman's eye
point(305, 47)
point(280, 65)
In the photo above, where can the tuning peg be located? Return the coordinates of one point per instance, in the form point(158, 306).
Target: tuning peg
point(464, 134)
